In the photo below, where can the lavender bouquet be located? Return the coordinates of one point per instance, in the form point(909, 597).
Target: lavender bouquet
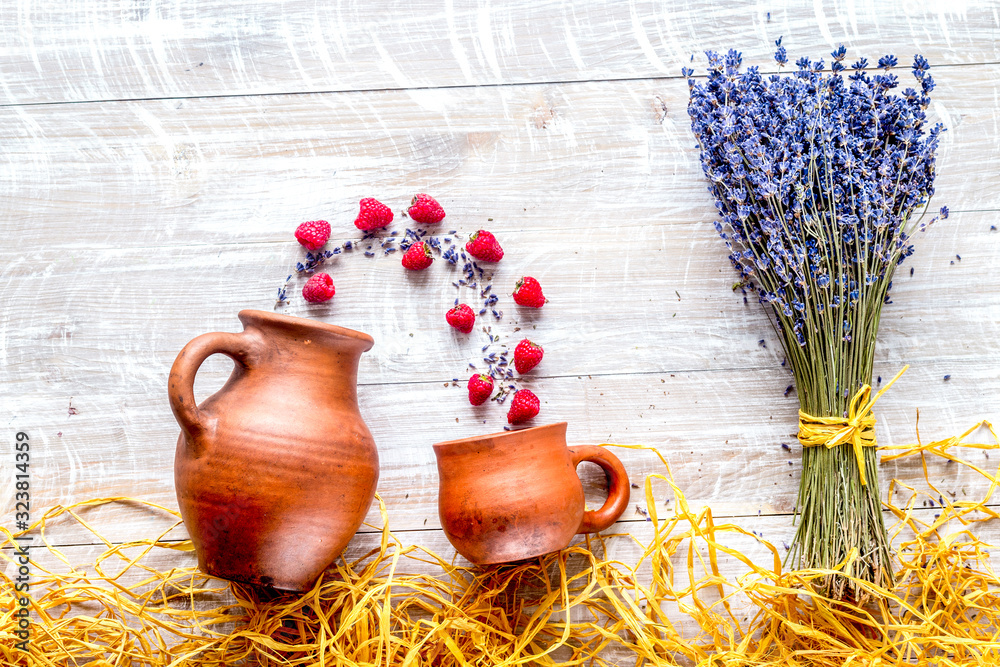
point(817, 175)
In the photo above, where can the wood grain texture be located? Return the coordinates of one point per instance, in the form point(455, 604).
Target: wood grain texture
point(718, 430)
point(71, 321)
point(248, 169)
point(83, 51)
point(155, 158)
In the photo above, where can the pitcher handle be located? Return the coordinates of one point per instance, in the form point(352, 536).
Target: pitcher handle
point(618, 489)
point(180, 385)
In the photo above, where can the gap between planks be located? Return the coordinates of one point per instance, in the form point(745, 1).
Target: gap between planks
point(447, 87)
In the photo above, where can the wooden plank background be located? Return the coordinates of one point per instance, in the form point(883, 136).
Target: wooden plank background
point(156, 157)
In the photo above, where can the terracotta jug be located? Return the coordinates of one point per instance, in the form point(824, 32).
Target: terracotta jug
point(276, 471)
point(514, 495)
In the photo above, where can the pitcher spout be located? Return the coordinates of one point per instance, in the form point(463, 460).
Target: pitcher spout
point(302, 329)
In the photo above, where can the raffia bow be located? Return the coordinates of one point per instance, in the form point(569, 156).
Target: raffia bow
point(857, 429)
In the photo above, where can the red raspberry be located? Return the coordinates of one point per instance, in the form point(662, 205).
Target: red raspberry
point(527, 292)
point(462, 318)
point(480, 389)
point(374, 214)
point(527, 355)
point(425, 209)
point(418, 257)
point(313, 235)
point(484, 246)
point(319, 288)
point(523, 407)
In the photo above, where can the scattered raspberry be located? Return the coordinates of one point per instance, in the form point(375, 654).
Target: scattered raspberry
point(462, 318)
point(313, 235)
point(418, 257)
point(527, 292)
point(523, 407)
point(425, 209)
point(480, 389)
point(374, 215)
point(527, 355)
point(484, 246)
point(319, 288)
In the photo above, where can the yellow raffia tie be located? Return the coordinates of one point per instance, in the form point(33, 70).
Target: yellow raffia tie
point(858, 429)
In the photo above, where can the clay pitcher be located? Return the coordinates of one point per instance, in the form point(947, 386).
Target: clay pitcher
point(275, 471)
point(515, 495)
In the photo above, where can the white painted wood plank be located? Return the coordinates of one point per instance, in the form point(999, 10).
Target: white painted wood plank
point(530, 157)
point(719, 431)
point(636, 299)
point(55, 52)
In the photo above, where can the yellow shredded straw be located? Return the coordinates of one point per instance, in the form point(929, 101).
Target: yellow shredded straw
point(403, 605)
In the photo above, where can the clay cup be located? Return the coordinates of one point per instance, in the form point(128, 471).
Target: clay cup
point(515, 495)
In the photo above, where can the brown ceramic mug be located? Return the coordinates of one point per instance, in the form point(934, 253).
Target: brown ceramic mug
point(514, 495)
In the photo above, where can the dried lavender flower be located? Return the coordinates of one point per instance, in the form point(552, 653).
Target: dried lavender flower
point(820, 179)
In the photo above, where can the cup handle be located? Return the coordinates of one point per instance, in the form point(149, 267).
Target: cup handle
point(618, 491)
point(180, 385)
